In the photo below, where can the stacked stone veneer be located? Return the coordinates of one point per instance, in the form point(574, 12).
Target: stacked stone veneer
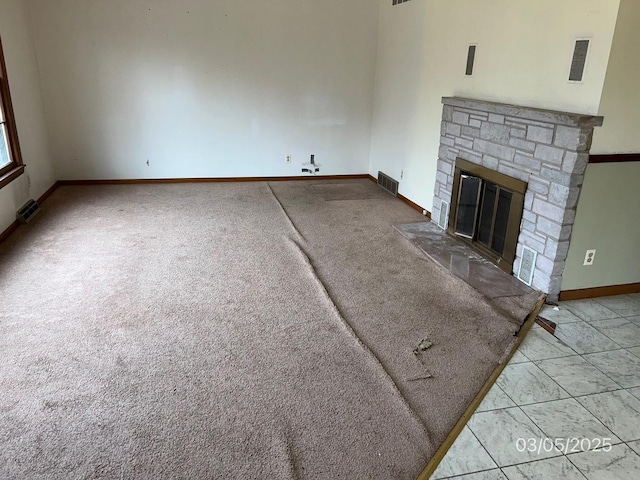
point(548, 150)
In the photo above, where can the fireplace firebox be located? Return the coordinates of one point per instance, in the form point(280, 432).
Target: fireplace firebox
point(486, 212)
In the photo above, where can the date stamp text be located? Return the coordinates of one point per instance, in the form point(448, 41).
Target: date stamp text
point(564, 445)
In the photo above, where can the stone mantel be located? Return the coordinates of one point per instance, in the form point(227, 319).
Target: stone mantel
point(529, 113)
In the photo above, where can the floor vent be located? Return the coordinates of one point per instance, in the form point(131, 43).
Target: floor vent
point(527, 265)
point(388, 183)
point(26, 213)
point(443, 218)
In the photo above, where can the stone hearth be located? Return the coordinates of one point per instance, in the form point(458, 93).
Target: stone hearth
point(549, 150)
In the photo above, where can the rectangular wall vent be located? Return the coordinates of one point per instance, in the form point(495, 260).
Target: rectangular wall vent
point(527, 265)
point(388, 183)
point(443, 218)
point(579, 60)
point(26, 213)
point(471, 59)
point(398, 2)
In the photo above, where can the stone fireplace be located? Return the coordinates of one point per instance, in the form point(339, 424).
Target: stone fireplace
point(547, 152)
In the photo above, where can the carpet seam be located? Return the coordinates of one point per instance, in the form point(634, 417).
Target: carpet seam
point(284, 211)
point(299, 247)
point(350, 330)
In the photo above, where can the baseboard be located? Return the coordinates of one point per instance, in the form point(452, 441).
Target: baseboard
point(153, 181)
point(14, 226)
point(9, 230)
point(413, 205)
point(468, 413)
point(48, 193)
point(143, 181)
point(599, 291)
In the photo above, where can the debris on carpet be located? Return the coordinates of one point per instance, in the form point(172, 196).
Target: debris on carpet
point(423, 346)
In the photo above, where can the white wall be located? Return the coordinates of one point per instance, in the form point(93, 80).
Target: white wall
point(620, 104)
point(608, 212)
point(24, 83)
point(206, 89)
point(524, 53)
point(607, 220)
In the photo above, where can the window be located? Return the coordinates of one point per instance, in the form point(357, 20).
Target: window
point(11, 165)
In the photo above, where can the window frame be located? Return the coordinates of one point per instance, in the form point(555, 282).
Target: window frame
point(14, 169)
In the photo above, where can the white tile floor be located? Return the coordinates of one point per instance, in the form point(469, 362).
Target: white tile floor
point(581, 386)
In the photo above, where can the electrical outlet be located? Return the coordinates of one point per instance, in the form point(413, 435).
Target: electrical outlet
point(589, 257)
point(288, 159)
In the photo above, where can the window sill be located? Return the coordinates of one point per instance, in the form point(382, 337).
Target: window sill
point(11, 175)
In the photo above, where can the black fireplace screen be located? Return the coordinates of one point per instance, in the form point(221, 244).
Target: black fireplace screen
point(487, 210)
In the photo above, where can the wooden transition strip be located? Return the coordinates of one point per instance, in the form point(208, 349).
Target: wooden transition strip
point(615, 158)
point(599, 291)
point(145, 181)
point(413, 205)
point(453, 435)
point(14, 226)
point(548, 325)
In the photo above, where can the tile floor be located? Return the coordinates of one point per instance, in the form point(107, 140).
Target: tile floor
point(580, 386)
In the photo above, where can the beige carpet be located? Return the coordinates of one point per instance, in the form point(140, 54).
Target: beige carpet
point(231, 331)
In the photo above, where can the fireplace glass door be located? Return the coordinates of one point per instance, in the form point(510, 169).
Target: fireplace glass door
point(468, 206)
point(487, 210)
point(494, 217)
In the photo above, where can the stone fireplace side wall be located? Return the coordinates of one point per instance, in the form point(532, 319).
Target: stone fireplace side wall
point(548, 150)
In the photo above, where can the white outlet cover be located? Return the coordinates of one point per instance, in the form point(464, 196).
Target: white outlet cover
point(589, 257)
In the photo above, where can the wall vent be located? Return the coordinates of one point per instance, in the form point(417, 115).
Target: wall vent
point(471, 59)
point(579, 61)
point(527, 265)
point(398, 2)
point(443, 218)
point(388, 183)
point(26, 213)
